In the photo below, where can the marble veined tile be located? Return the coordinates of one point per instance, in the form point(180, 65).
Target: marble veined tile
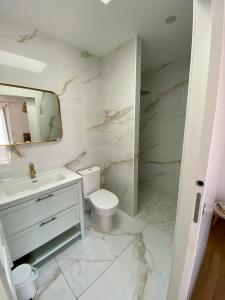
point(51, 283)
point(84, 261)
point(159, 245)
point(140, 273)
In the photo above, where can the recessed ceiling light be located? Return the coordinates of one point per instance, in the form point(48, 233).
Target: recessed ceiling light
point(21, 62)
point(105, 1)
point(171, 19)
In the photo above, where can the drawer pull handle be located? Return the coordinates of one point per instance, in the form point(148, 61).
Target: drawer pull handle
point(45, 197)
point(48, 221)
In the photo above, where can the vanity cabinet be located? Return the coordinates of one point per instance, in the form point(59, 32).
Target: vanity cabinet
point(40, 233)
point(22, 216)
point(34, 222)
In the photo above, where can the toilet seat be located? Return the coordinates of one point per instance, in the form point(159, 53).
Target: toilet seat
point(104, 200)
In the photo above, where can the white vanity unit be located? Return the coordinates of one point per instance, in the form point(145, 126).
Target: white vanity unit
point(40, 217)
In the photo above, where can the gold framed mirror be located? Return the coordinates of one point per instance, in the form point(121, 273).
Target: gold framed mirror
point(28, 115)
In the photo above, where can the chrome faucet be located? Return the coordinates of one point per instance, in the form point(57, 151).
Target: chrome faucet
point(32, 172)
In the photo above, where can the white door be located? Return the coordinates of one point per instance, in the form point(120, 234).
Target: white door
point(203, 146)
point(7, 290)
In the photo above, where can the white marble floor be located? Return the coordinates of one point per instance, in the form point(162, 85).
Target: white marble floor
point(157, 209)
point(132, 262)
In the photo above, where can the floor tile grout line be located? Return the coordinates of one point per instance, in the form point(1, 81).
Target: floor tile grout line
point(113, 261)
point(100, 275)
point(155, 225)
point(77, 297)
point(66, 279)
point(146, 248)
point(145, 227)
point(117, 257)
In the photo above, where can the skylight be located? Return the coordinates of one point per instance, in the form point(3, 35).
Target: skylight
point(105, 1)
point(21, 62)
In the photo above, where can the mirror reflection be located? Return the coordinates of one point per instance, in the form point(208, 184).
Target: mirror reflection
point(28, 116)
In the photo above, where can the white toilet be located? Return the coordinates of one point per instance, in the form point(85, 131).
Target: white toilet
point(103, 202)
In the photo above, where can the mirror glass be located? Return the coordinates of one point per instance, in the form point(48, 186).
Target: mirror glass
point(28, 116)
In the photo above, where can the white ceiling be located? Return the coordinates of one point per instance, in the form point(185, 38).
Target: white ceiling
point(99, 28)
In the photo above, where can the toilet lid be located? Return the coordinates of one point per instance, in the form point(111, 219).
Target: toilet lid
point(104, 199)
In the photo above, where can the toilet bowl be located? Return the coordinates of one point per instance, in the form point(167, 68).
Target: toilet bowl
point(103, 203)
point(103, 206)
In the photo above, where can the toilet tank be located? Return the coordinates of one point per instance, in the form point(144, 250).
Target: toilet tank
point(91, 180)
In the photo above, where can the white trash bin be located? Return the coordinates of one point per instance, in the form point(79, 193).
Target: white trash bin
point(24, 277)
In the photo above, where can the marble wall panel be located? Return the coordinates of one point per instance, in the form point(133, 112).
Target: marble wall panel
point(119, 84)
point(74, 77)
point(162, 126)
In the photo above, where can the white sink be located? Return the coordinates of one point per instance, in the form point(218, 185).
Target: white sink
point(19, 188)
point(29, 185)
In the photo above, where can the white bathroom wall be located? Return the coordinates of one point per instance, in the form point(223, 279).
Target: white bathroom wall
point(73, 75)
point(119, 84)
point(162, 119)
point(98, 98)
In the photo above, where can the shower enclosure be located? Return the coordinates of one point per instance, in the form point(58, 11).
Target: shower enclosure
point(162, 118)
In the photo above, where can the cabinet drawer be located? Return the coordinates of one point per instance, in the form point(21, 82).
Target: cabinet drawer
point(39, 234)
point(26, 214)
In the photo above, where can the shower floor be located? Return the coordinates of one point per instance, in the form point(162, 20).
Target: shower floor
point(157, 209)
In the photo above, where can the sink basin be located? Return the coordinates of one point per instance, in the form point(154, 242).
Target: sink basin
point(29, 185)
point(22, 187)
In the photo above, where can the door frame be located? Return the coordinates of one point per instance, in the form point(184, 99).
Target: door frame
point(200, 161)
